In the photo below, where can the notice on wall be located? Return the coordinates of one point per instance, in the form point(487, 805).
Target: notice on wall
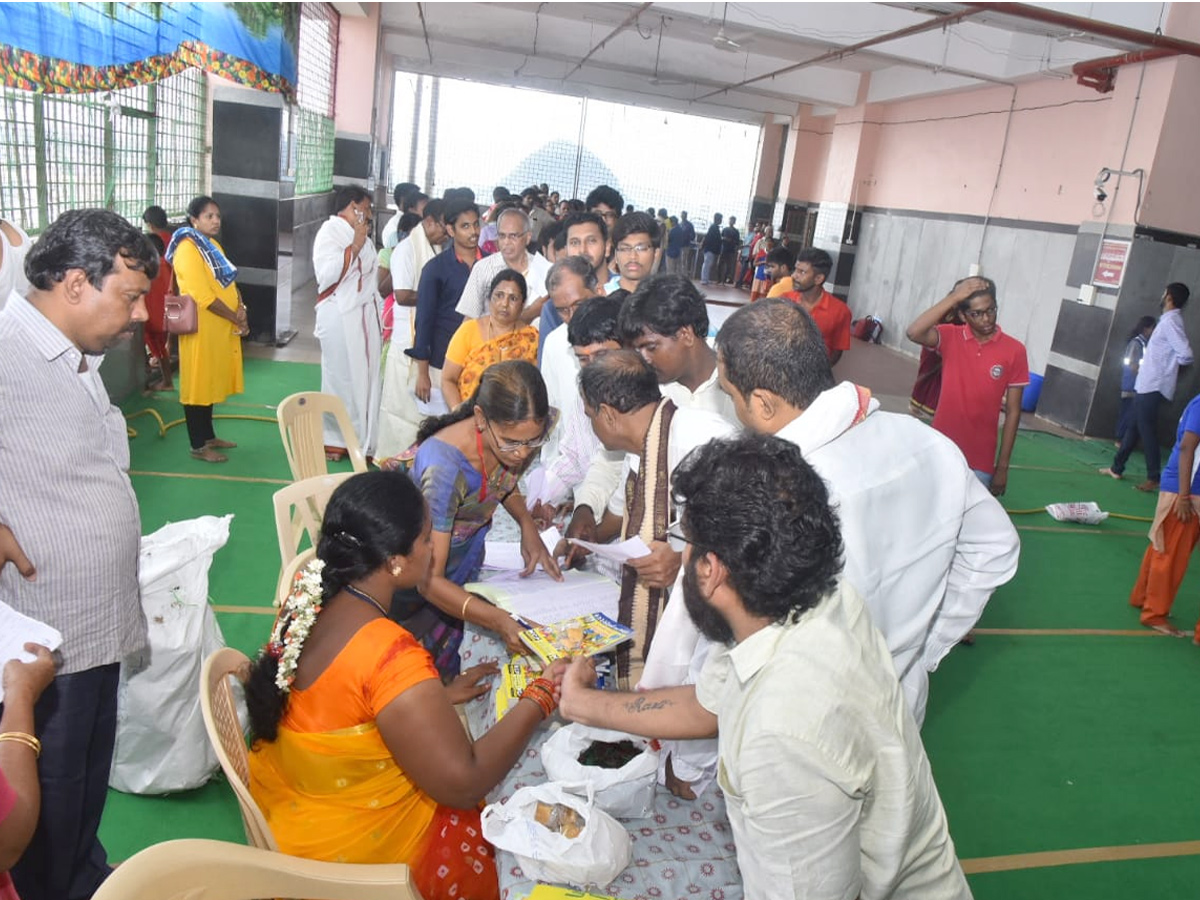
point(1110, 264)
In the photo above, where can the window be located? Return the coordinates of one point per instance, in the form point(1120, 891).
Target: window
point(121, 150)
point(312, 123)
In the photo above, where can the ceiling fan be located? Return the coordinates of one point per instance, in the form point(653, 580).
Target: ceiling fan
point(729, 43)
point(656, 79)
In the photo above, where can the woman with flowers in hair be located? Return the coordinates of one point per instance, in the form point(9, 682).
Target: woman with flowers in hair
point(345, 706)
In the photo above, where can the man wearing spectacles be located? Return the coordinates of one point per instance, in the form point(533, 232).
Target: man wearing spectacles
point(513, 232)
point(629, 415)
point(981, 368)
point(635, 240)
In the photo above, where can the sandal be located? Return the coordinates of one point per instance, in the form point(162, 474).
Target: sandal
point(220, 444)
point(208, 454)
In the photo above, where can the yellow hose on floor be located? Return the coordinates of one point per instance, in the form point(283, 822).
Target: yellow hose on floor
point(164, 427)
point(1042, 509)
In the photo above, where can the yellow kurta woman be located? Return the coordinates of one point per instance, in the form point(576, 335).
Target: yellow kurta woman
point(210, 361)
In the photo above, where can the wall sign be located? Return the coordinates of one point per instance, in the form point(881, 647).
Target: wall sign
point(1110, 265)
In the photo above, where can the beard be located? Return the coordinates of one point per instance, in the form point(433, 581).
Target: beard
point(707, 620)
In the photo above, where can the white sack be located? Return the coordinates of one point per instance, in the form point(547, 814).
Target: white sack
point(627, 792)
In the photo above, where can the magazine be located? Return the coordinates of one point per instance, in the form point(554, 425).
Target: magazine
point(514, 678)
point(580, 636)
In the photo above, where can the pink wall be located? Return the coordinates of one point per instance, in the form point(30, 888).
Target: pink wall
point(355, 92)
point(941, 154)
point(1169, 201)
point(805, 164)
point(768, 158)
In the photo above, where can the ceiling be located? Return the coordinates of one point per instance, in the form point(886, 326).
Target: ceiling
point(664, 54)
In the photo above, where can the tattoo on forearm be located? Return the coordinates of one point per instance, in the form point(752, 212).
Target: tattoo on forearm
point(641, 704)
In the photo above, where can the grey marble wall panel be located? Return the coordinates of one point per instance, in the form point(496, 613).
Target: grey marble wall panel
point(907, 263)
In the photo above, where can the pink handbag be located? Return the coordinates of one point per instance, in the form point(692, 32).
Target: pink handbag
point(179, 314)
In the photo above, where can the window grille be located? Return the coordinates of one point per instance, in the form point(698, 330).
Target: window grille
point(312, 122)
point(122, 150)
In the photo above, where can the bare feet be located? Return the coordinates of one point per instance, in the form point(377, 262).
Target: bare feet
point(208, 454)
point(219, 444)
point(1110, 473)
point(677, 786)
point(1147, 486)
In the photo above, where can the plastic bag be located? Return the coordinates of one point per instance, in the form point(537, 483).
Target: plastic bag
point(1088, 513)
point(627, 792)
point(593, 859)
point(162, 745)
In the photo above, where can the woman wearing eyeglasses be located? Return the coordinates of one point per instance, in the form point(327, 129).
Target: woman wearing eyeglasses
point(466, 463)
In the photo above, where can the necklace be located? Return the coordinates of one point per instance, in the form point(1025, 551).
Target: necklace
point(363, 595)
point(484, 477)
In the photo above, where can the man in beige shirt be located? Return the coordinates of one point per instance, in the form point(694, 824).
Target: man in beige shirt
point(826, 782)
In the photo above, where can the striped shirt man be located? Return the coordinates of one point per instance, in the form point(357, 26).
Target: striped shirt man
point(65, 493)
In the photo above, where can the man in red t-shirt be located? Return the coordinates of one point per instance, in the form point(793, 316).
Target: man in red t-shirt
point(831, 315)
point(981, 368)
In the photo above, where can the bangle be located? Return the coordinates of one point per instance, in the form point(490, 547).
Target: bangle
point(541, 692)
point(22, 738)
point(463, 612)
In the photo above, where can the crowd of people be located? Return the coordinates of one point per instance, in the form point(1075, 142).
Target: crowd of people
point(547, 356)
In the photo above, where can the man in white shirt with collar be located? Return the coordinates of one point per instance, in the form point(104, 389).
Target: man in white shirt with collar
point(829, 792)
point(513, 234)
point(926, 542)
point(1167, 350)
point(666, 321)
point(621, 397)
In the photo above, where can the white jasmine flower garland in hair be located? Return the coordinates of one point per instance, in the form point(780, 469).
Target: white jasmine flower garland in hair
point(294, 621)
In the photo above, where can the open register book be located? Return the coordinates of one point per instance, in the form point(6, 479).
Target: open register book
point(580, 636)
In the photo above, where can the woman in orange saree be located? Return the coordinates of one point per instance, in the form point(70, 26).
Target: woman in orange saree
point(345, 705)
point(492, 338)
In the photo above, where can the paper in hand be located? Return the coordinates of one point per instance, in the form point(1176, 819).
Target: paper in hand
point(634, 548)
point(16, 630)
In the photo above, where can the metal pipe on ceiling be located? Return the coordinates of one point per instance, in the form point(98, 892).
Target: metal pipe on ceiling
point(842, 52)
point(1088, 26)
point(629, 20)
point(1101, 74)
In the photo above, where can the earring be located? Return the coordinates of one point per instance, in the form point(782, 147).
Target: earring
point(397, 570)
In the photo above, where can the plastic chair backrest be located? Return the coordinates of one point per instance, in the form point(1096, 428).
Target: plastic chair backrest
point(289, 573)
point(302, 428)
point(299, 507)
point(228, 738)
point(197, 869)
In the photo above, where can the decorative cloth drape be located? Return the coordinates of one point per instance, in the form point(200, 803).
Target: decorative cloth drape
point(67, 48)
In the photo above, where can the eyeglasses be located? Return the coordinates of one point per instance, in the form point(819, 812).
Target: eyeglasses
point(679, 536)
point(977, 314)
point(625, 249)
point(506, 446)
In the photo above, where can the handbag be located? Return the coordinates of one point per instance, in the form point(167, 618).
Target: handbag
point(179, 314)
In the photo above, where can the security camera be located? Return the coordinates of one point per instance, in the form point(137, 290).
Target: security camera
point(1101, 194)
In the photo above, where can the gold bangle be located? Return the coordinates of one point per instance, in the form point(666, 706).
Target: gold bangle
point(463, 613)
point(22, 738)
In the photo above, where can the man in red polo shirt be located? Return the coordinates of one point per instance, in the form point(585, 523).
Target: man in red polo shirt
point(981, 366)
point(808, 291)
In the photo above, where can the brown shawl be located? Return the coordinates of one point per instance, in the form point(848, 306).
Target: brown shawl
point(647, 512)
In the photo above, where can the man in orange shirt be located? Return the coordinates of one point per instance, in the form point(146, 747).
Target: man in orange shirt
point(831, 315)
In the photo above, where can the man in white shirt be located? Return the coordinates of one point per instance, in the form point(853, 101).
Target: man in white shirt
point(629, 415)
point(513, 233)
point(572, 447)
point(829, 792)
point(666, 321)
point(1167, 350)
point(408, 198)
point(348, 318)
point(926, 543)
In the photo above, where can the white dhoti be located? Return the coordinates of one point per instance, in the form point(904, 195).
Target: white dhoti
point(400, 412)
point(348, 328)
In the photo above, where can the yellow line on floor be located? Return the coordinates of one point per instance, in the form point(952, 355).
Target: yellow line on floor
point(256, 610)
point(1053, 530)
point(1071, 632)
point(1074, 857)
point(241, 478)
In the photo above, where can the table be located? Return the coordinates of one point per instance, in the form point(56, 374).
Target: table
point(683, 852)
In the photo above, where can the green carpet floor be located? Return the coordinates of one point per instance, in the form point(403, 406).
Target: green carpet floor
point(1038, 742)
